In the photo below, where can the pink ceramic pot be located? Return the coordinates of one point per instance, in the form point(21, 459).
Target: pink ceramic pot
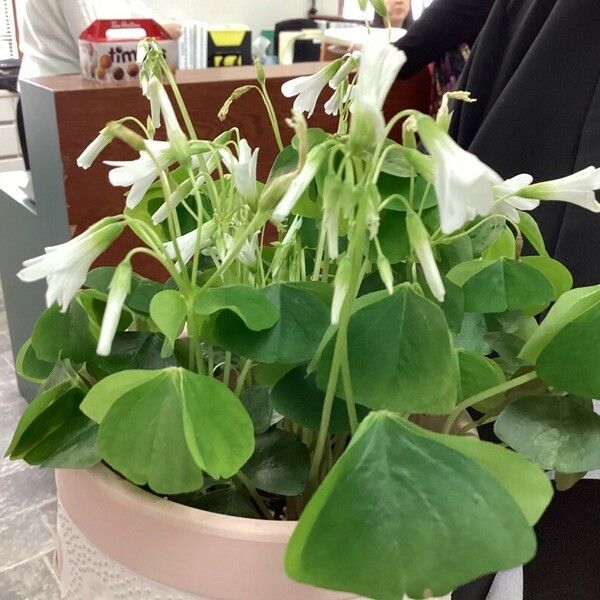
point(212, 556)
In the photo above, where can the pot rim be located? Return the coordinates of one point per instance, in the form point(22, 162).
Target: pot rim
point(193, 519)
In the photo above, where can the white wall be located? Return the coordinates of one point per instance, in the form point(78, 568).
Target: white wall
point(257, 14)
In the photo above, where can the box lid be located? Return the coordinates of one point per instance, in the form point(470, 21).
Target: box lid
point(98, 30)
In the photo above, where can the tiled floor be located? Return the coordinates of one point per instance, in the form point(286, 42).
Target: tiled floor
point(27, 502)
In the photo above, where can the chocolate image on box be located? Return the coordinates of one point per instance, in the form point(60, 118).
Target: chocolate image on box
point(110, 45)
point(133, 70)
point(105, 61)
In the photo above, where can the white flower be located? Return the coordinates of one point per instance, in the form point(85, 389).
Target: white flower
point(141, 173)
point(313, 163)
point(578, 189)
point(242, 169)
point(508, 202)
point(65, 267)
point(464, 185)
point(341, 287)
point(119, 288)
point(419, 240)
point(187, 242)
point(174, 132)
point(153, 97)
point(341, 95)
point(380, 64)
point(308, 88)
point(90, 154)
point(246, 254)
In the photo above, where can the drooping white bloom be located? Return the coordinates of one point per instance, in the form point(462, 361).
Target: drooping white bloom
point(175, 134)
point(90, 154)
point(419, 240)
point(153, 97)
point(242, 169)
point(65, 267)
point(341, 287)
point(308, 88)
point(578, 189)
point(313, 163)
point(341, 95)
point(141, 173)
point(464, 185)
point(379, 67)
point(187, 242)
point(119, 288)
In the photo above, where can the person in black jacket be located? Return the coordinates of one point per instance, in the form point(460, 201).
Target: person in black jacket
point(535, 72)
point(444, 26)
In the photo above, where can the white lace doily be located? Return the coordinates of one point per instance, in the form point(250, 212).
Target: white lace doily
point(85, 573)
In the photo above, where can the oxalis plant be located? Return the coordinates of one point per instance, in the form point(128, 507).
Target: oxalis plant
point(339, 374)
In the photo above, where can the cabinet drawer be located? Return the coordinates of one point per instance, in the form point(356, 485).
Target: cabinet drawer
point(9, 143)
point(8, 107)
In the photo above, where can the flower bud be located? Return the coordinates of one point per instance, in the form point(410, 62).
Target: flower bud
point(409, 128)
point(90, 154)
point(385, 272)
point(419, 240)
point(237, 93)
point(119, 288)
point(260, 71)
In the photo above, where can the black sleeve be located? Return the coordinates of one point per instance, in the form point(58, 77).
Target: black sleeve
point(445, 25)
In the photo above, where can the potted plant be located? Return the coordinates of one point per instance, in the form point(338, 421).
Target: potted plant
point(315, 396)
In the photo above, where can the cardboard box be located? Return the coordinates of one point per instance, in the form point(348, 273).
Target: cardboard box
point(108, 48)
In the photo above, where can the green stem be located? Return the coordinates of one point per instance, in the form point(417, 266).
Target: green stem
point(196, 343)
point(350, 405)
point(272, 115)
point(255, 495)
point(490, 393)
point(179, 99)
point(227, 368)
point(242, 377)
point(340, 353)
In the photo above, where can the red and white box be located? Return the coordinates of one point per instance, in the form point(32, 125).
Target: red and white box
point(108, 48)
